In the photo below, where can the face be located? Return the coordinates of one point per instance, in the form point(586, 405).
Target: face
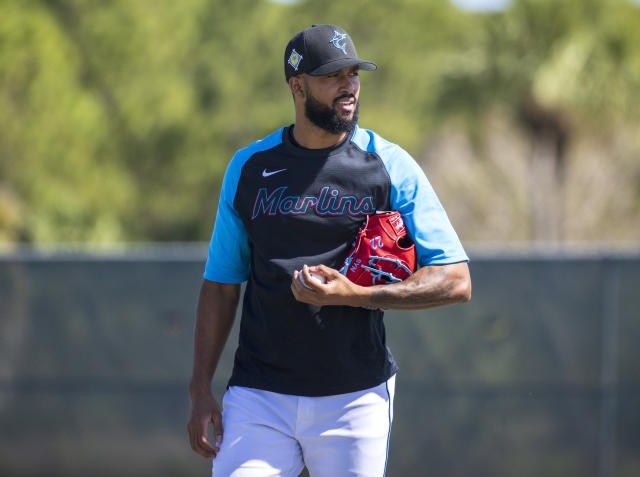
point(332, 101)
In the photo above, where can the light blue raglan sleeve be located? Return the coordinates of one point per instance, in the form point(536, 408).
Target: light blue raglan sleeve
point(425, 219)
point(228, 257)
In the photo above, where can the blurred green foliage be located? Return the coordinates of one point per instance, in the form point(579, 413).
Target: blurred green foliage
point(117, 119)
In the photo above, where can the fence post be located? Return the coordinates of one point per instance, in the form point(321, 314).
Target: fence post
point(609, 368)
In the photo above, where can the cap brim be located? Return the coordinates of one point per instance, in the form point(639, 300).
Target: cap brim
point(337, 65)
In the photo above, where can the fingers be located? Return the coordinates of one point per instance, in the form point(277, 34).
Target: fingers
point(325, 271)
point(312, 278)
point(199, 441)
point(321, 274)
point(307, 280)
point(203, 414)
point(297, 288)
point(217, 429)
point(300, 288)
point(303, 279)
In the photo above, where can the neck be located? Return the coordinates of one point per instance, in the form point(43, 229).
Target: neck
point(311, 136)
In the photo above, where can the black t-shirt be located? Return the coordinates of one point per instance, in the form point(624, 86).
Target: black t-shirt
point(283, 206)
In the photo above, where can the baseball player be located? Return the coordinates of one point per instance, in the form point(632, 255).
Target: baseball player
point(312, 381)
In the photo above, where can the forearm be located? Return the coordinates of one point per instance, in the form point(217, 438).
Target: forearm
point(214, 319)
point(428, 287)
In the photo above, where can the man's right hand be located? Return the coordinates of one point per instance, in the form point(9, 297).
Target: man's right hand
point(205, 410)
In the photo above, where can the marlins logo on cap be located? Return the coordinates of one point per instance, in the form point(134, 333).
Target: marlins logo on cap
point(338, 41)
point(294, 59)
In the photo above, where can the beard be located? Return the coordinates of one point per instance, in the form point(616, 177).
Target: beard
point(328, 118)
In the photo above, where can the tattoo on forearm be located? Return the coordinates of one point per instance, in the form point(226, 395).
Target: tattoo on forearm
point(429, 287)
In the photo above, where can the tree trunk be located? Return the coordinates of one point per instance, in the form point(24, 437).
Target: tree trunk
point(548, 133)
point(545, 190)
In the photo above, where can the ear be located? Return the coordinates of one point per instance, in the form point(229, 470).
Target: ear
point(296, 85)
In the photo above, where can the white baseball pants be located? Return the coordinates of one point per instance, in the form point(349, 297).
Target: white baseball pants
point(269, 434)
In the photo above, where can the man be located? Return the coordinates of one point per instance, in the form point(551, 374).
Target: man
point(313, 380)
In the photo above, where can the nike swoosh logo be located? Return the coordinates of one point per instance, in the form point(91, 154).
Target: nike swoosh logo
point(270, 173)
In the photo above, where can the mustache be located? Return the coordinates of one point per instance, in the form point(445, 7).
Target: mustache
point(345, 96)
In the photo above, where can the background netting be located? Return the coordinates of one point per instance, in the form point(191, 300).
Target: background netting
point(537, 375)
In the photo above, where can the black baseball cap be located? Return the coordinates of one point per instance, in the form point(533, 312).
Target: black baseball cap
point(320, 50)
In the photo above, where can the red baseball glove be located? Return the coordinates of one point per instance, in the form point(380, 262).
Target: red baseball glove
point(382, 252)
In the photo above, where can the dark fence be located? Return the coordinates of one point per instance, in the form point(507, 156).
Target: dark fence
point(538, 375)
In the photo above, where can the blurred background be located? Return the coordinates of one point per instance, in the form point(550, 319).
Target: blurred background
point(117, 121)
